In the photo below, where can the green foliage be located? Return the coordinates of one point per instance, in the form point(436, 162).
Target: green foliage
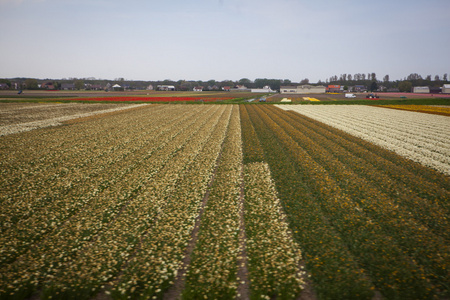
point(405, 86)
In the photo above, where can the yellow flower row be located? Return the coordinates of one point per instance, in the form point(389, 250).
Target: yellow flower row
point(432, 109)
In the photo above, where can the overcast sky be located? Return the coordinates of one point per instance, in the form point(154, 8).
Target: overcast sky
point(223, 39)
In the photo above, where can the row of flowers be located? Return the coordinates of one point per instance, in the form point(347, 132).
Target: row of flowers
point(150, 99)
point(107, 208)
point(430, 109)
point(423, 237)
point(333, 269)
point(274, 257)
point(53, 192)
point(156, 265)
point(212, 272)
point(420, 137)
point(401, 255)
point(154, 217)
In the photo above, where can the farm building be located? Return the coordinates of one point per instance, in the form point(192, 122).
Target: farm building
point(240, 88)
point(446, 89)
point(303, 89)
point(166, 87)
point(68, 86)
point(333, 89)
point(421, 90)
point(265, 89)
point(198, 89)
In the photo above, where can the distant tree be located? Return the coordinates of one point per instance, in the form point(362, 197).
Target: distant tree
point(413, 76)
point(6, 81)
point(79, 84)
point(244, 81)
point(436, 78)
point(373, 86)
point(31, 84)
point(373, 77)
point(444, 78)
point(405, 86)
point(428, 78)
point(349, 77)
point(304, 81)
point(386, 78)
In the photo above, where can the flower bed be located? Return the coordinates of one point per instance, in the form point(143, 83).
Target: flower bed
point(389, 240)
point(417, 136)
point(149, 99)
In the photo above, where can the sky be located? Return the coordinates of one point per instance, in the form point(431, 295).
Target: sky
point(223, 39)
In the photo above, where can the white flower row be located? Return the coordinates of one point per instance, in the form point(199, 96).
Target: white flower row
point(56, 121)
point(423, 138)
point(213, 269)
point(274, 257)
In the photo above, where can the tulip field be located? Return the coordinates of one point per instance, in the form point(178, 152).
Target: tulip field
point(227, 202)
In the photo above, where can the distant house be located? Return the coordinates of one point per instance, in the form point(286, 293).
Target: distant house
point(198, 89)
point(150, 87)
point(4, 86)
point(240, 88)
point(94, 87)
point(265, 89)
point(303, 89)
point(166, 87)
point(68, 86)
point(226, 88)
point(446, 89)
point(421, 90)
point(117, 87)
point(333, 89)
point(288, 89)
point(48, 86)
point(359, 88)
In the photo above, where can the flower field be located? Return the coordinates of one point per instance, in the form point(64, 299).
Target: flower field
point(149, 99)
point(368, 221)
point(418, 136)
point(223, 202)
point(18, 117)
point(430, 109)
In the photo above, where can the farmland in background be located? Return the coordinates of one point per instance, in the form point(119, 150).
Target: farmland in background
point(216, 201)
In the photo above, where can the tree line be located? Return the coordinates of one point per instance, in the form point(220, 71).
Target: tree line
point(370, 81)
